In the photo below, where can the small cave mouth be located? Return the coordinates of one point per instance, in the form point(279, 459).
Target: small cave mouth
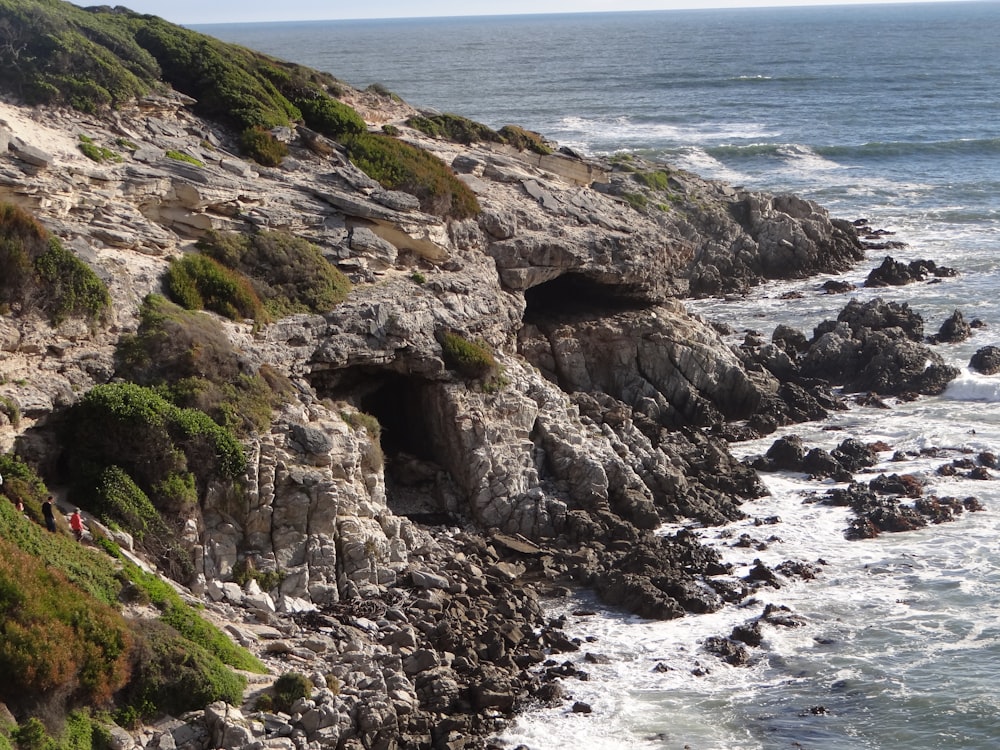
point(396, 402)
point(412, 463)
point(573, 296)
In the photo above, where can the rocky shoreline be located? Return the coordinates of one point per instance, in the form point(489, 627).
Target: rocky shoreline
point(411, 569)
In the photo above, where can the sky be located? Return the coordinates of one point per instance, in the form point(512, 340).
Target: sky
point(240, 11)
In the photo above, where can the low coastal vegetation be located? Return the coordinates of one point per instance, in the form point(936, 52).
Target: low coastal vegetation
point(462, 130)
point(38, 274)
point(397, 165)
point(471, 359)
point(96, 58)
point(68, 655)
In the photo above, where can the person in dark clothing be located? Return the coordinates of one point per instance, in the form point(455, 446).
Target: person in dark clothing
point(49, 514)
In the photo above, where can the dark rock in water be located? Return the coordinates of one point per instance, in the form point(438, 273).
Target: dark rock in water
point(854, 455)
point(748, 633)
point(874, 514)
point(953, 330)
point(986, 360)
point(895, 273)
point(760, 573)
point(894, 365)
point(798, 569)
point(728, 650)
point(785, 454)
point(878, 315)
point(837, 287)
point(820, 463)
point(778, 614)
point(582, 708)
point(790, 339)
point(906, 485)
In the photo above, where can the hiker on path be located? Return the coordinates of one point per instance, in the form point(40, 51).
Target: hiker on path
point(76, 524)
point(48, 513)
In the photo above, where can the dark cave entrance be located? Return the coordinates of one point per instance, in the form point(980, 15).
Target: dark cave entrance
point(573, 296)
point(413, 471)
point(396, 402)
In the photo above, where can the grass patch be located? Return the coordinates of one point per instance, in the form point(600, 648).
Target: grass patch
point(186, 158)
point(471, 359)
point(287, 272)
point(397, 165)
point(37, 272)
point(97, 153)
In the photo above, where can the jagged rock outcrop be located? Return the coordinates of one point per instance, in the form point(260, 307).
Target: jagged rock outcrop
point(599, 418)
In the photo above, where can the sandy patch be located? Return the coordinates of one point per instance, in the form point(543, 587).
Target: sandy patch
point(22, 122)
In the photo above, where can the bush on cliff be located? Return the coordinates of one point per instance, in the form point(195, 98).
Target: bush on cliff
point(524, 140)
point(455, 128)
point(37, 272)
point(330, 117)
point(397, 165)
point(198, 282)
point(64, 644)
point(289, 273)
point(471, 359)
point(57, 53)
point(188, 359)
point(261, 146)
point(54, 638)
point(170, 453)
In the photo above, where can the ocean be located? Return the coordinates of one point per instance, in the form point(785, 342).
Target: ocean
point(886, 112)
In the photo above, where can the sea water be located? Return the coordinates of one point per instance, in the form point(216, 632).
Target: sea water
point(887, 112)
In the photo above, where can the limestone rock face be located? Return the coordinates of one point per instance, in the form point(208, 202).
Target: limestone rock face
point(592, 418)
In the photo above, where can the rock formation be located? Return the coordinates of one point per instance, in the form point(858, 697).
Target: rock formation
point(600, 418)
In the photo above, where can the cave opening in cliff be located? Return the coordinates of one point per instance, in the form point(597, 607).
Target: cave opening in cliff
point(412, 470)
point(395, 401)
point(575, 296)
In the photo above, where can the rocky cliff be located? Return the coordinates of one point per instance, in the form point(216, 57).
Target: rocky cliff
point(411, 508)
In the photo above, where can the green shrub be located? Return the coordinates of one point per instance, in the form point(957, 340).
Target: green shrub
point(11, 408)
point(245, 571)
point(381, 90)
point(289, 273)
point(657, 180)
point(524, 140)
point(289, 687)
point(118, 501)
point(189, 359)
point(454, 128)
point(32, 735)
point(37, 272)
point(390, 129)
point(186, 158)
point(151, 439)
point(469, 358)
point(75, 290)
point(261, 146)
point(198, 282)
point(97, 153)
point(418, 277)
point(638, 201)
point(172, 675)
point(331, 118)
point(52, 634)
point(400, 166)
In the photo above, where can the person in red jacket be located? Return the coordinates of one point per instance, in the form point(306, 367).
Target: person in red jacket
point(76, 524)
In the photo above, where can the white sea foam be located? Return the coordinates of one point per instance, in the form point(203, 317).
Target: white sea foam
point(971, 386)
